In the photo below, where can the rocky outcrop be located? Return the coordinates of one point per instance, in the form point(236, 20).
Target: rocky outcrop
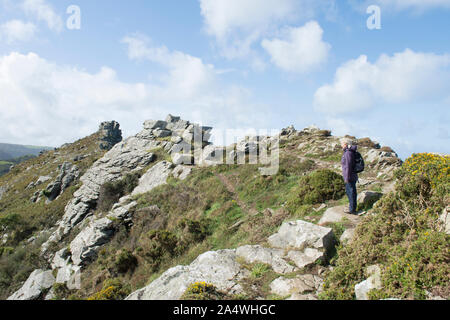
point(301, 286)
point(271, 256)
point(127, 156)
point(301, 234)
point(218, 268)
point(373, 282)
point(36, 286)
point(99, 231)
point(110, 134)
point(383, 161)
point(181, 172)
point(68, 173)
point(154, 177)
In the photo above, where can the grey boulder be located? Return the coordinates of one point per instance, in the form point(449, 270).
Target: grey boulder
point(37, 283)
point(301, 234)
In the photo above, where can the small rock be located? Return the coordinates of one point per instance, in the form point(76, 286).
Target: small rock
point(270, 256)
point(445, 220)
point(154, 177)
point(368, 198)
point(36, 284)
point(181, 172)
point(161, 133)
point(186, 159)
point(348, 235)
point(301, 234)
point(306, 258)
point(373, 282)
point(155, 124)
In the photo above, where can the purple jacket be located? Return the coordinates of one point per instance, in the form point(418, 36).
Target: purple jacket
point(348, 164)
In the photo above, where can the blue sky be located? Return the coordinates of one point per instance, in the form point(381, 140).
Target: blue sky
point(262, 64)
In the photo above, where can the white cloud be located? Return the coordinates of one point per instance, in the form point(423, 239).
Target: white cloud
point(222, 17)
point(17, 30)
point(187, 76)
point(49, 104)
point(404, 77)
point(237, 25)
point(300, 50)
point(414, 4)
point(42, 11)
point(417, 6)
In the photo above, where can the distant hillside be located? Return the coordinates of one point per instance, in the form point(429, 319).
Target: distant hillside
point(5, 165)
point(12, 151)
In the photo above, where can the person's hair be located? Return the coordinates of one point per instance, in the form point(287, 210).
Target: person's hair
point(347, 141)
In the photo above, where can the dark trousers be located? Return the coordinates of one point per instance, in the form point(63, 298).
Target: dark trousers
point(350, 188)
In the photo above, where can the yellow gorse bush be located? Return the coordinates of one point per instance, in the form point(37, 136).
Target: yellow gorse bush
point(200, 287)
point(106, 294)
point(435, 167)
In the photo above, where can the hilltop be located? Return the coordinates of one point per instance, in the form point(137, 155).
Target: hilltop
point(160, 215)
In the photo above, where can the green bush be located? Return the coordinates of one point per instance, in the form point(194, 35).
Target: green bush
point(125, 261)
point(317, 187)
point(158, 244)
point(196, 230)
point(60, 291)
point(6, 251)
point(113, 289)
point(111, 192)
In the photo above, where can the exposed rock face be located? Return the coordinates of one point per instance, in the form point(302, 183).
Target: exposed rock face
point(270, 256)
point(110, 134)
point(308, 257)
point(300, 285)
point(126, 156)
point(300, 234)
point(287, 131)
point(181, 172)
point(42, 180)
point(381, 159)
point(34, 287)
point(68, 173)
point(86, 244)
point(154, 177)
point(373, 282)
point(216, 267)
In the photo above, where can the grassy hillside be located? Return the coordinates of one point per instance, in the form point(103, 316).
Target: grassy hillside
point(217, 208)
point(5, 165)
point(21, 219)
point(228, 206)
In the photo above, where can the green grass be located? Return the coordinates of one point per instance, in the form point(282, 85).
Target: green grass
point(34, 217)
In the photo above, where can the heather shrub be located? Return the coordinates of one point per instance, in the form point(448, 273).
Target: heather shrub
point(317, 187)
